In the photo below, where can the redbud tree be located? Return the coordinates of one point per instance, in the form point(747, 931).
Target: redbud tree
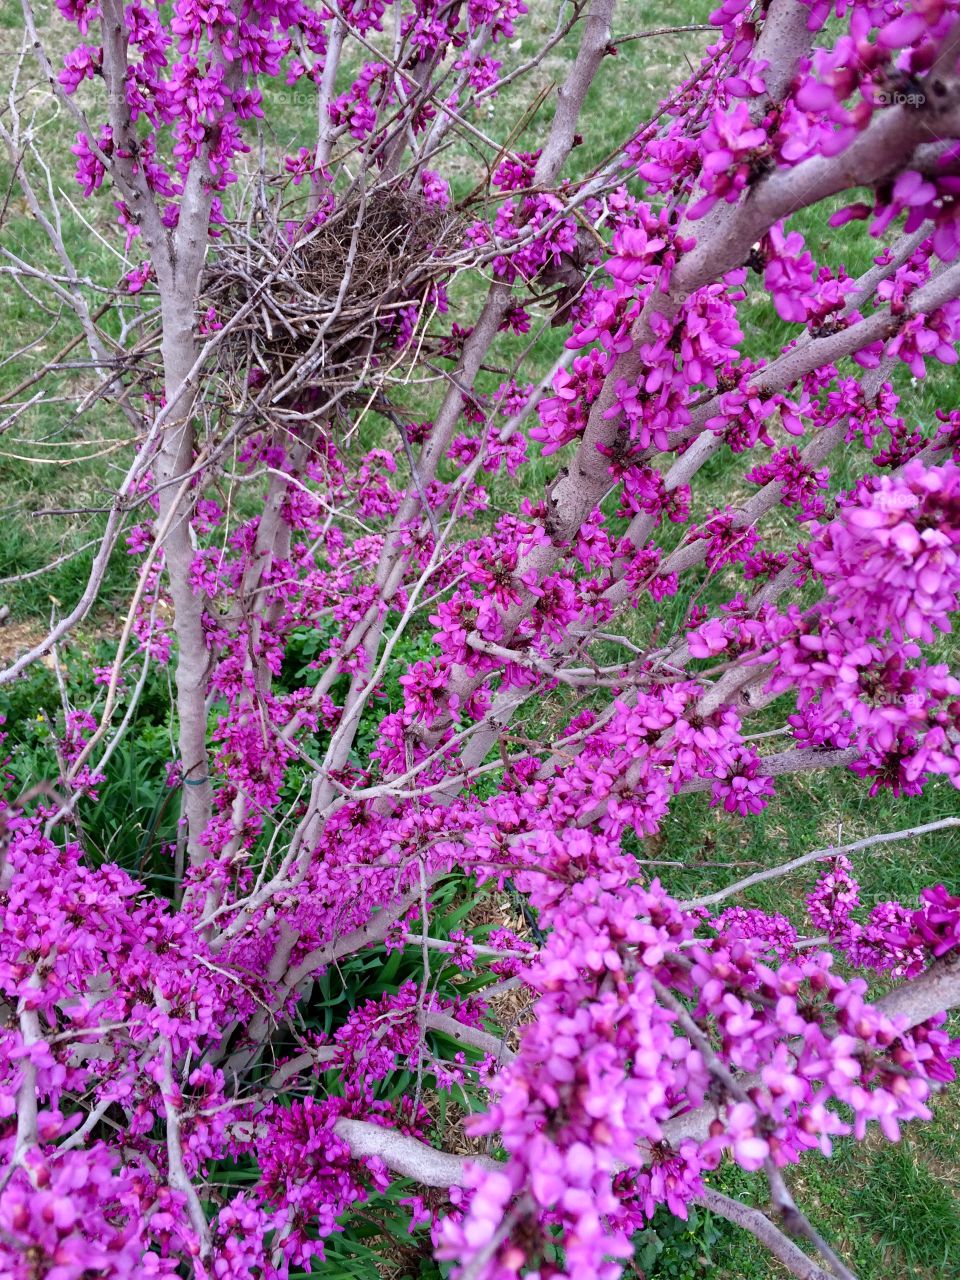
point(404, 671)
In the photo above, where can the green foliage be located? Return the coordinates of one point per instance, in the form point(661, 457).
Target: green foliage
point(132, 817)
point(379, 1244)
point(671, 1249)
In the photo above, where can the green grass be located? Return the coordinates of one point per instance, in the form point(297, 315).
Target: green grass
point(891, 1209)
point(57, 466)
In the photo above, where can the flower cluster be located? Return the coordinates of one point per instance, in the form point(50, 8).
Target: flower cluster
point(613, 1063)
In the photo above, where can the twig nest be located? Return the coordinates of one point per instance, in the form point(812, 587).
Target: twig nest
point(321, 304)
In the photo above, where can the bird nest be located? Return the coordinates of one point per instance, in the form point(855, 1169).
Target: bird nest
point(314, 323)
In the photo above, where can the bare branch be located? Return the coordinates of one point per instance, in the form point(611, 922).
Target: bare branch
point(760, 1226)
point(774, 873)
